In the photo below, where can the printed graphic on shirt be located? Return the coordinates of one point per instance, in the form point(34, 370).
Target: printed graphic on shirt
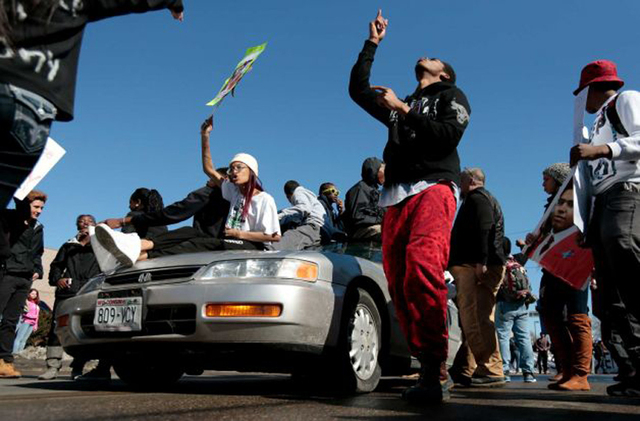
point(235, 219)
point(462, 115)
point(603, 168)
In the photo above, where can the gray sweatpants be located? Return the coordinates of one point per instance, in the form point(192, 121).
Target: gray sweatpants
point(298, 238)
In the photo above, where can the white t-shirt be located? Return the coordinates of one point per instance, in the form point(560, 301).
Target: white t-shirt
point(625, 151)
point(262, 215)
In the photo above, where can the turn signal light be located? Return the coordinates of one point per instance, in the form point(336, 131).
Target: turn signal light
point(63, 320)
point(307, 271)
point(243, 310)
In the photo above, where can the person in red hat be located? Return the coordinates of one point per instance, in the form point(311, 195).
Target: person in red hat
point(612, 157)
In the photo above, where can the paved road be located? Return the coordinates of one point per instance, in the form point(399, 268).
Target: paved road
point(236, 396)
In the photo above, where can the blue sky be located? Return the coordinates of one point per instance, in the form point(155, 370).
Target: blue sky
point(144, 81)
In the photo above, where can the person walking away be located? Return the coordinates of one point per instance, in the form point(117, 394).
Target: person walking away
point(512, 316)
point(420, 191)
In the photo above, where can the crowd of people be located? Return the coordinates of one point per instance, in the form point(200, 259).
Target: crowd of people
point(430, 216)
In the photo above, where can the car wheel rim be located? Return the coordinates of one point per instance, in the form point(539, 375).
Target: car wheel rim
point(364, 343)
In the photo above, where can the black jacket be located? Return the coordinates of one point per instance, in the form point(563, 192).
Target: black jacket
point(50, 48)
point(478, 232)
point(361, 202)
point(26, 242)
point(423, 144)
point(73, 261)
point(143, 231)
point(207, 206)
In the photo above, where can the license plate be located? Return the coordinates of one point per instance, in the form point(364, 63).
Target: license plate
point(121, 314)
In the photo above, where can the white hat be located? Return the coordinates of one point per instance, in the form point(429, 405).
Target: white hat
point(246, 159)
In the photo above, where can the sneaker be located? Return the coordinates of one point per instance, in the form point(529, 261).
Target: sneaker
point(507, 379)
point(488, 381)
point(95, 375)
point(627, 388)
point(529, 378)
point(124, 247)
point(50, 374)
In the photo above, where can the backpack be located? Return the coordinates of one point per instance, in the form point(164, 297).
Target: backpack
point(614, 118)
point(515, 280)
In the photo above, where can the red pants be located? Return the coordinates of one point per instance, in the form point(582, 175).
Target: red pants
point(416, 237)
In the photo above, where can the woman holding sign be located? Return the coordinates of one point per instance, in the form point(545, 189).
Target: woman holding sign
point(251, 224)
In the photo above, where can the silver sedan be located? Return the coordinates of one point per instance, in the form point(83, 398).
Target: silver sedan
point(316, 314)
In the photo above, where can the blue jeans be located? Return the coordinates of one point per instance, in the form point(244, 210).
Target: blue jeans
point(514, 316)
point(23, 331)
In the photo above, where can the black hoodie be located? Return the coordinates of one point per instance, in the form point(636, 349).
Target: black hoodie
point(26, 242)
point(361, 203)
point(43, 57)
point(423, 144)
point(207, 206)
point(75, 261)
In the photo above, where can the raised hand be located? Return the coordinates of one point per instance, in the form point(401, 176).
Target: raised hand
point(378, 28)
point(207, 126)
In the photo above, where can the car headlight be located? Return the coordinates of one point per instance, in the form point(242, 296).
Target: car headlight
point(262, 268)
point(92, 284)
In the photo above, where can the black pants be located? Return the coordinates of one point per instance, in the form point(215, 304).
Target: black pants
point(615, 235)
point(189, 240)
point(560, 297)
point(543, 358)
point(13, 296)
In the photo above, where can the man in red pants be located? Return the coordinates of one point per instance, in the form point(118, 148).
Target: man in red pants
point(421, 177)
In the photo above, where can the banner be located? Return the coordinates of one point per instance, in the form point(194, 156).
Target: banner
point(582, 197)
point(241, 69)
point(52, 153)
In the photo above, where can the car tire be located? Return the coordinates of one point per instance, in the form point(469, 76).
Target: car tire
point(147, 374)
point(360, 342)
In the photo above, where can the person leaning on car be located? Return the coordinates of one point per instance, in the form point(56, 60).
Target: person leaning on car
point(17, 272)
point(74, 264)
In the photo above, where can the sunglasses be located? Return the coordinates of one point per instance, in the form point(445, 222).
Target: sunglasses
point(235, 168)
point(331, 190)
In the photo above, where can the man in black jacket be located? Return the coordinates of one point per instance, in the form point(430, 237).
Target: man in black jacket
point(421, 174)
point(24, 235)
point(72, 267)
point(362, 215)
point(477, 263)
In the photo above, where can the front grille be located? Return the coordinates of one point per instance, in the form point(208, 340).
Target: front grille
point(160, 320)
point(182, 272)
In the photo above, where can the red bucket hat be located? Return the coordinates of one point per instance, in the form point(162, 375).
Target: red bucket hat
point(599, 71)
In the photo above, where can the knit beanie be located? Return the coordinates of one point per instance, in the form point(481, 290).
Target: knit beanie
point(558, 171)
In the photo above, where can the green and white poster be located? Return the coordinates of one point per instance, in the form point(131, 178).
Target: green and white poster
point(241, 69)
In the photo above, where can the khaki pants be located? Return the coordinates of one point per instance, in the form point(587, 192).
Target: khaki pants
point(476, 299)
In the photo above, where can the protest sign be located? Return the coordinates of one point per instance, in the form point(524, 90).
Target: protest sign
point(52, 153)
point(241, 69)
point(557, 249)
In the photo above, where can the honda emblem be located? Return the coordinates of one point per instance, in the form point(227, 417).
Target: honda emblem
point(144, 277)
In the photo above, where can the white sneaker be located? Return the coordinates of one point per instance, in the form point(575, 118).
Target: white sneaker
point(124, 247)
point(107, 261)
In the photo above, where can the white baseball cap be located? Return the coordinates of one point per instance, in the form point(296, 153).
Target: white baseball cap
point(246, 159)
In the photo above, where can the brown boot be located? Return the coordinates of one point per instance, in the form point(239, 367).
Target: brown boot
point(8, 371)
point(580, 328)
point(562, 345)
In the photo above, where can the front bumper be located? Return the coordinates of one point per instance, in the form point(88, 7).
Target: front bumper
point(174, 319)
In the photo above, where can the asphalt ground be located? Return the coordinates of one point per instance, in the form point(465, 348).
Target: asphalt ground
point(240, 396)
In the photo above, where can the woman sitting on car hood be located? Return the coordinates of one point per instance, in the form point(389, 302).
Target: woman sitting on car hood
point(251, 224)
